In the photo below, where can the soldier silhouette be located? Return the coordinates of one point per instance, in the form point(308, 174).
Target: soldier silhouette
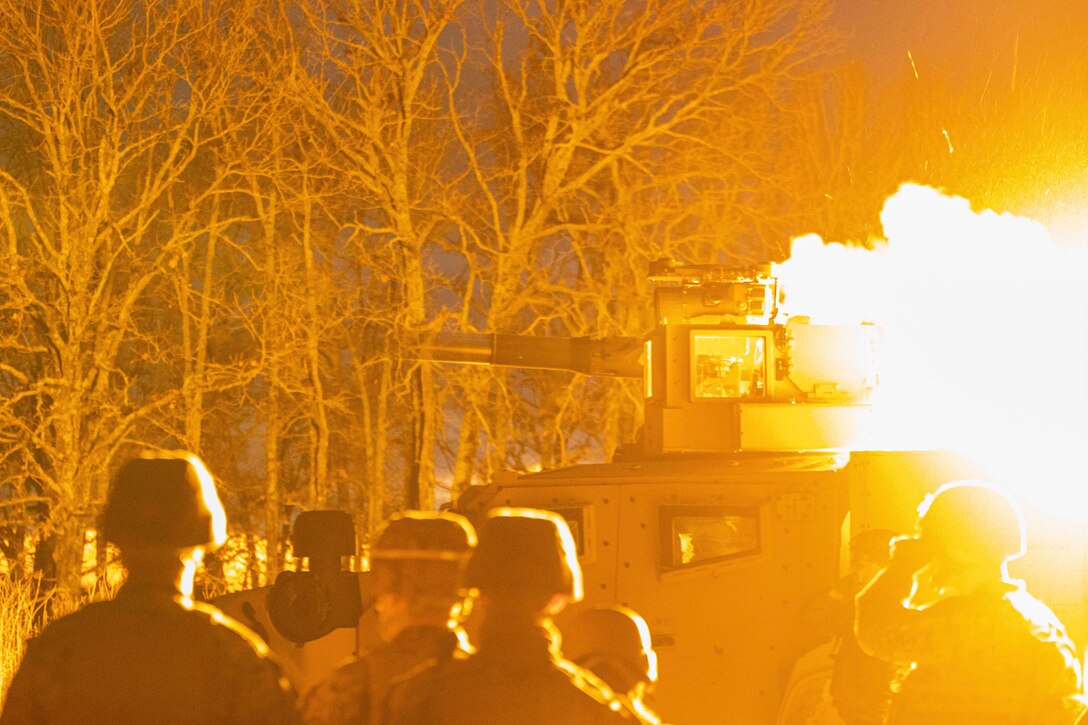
point(417, 564)
point(152, 654)
point(971, 645)
point(525, 571)
point(614, 644)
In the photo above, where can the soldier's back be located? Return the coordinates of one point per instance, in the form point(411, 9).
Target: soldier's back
point(146, 657)
point(353, 694)
point(999, 656)
point(502, 688)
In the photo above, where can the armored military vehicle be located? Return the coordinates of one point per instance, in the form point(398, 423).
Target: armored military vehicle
point(729, 521)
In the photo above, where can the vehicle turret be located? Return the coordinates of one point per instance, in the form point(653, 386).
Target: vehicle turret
point(724, 370)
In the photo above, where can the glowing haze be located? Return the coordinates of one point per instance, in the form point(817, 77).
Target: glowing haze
point(985, 337)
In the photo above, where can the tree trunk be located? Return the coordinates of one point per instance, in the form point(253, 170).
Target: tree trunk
point(65, 516)
point(272, 500)
point(424, 440)
point(196, 350)
point(464, 464)
point(67, 550)
point(376, 434)
point(319, 421)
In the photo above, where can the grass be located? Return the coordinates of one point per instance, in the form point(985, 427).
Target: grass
point(25, 609)
point(22, 614)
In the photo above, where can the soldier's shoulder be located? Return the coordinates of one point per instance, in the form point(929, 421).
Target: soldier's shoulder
point(1033, 610)
point(595, 694)
point(412, 692)
point(264, 693)
point(349, 680)
point(342, 696)
point(354, 669)
point(224, 628)
point(585, 681)
point(456, 663)
point(77, 626)
point(427, 675)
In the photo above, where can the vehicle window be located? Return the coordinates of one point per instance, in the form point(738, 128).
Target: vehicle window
point(728, 364)
point(694, 535)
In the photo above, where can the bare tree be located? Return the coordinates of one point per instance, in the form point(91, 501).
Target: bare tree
point(107, 113)
point(373, 71)
point(220, 222)
point(614, 133)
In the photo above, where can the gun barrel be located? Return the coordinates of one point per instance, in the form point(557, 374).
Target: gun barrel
point(612, 356)
point(459, 347)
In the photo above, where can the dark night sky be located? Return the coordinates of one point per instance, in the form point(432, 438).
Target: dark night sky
point(967, 34)
point(1008, 79)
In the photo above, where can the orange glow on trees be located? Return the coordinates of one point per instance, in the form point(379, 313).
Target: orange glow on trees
point(212, 224)
point(111, 123)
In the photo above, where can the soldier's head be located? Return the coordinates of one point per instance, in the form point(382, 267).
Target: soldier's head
point(526, 561)
point(970, 526)
point(417, 563)
point(614, 644)
point(162, 511)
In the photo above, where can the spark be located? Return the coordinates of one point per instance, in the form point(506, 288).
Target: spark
point(1015, 61)
point(947, 139)
point(913, 66)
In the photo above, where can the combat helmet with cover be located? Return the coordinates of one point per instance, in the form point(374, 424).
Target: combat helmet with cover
point(164, 500)
point(613, 642)
point(525, 551)
point(422, 553)
point(974, 519)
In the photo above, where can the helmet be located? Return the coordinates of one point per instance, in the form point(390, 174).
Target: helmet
point(164, 499)
point(422, 554)
point(525, 551)
point(614, 643)
point(426, 536)
point(974, 519)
